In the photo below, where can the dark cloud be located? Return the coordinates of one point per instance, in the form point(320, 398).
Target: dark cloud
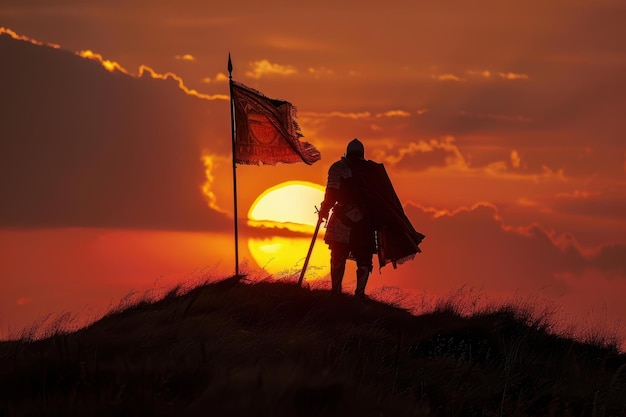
point(611, 258)
point(474, 246)
point(80, 146)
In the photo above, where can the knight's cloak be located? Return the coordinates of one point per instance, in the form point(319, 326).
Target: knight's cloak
point(397, 240)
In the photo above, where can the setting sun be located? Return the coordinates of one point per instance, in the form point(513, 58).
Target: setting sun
point(290, 205)
point(292, 202)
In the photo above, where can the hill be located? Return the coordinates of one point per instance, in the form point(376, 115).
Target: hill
point(275, 349)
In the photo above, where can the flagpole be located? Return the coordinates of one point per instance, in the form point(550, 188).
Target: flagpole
point(232, 130)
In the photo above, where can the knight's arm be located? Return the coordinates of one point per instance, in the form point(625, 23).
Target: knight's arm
point(330, 198)
point(332, 190)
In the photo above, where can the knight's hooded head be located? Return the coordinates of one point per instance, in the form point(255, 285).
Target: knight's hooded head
point(355, 150)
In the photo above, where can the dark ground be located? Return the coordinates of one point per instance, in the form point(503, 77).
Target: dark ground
point(275, 349)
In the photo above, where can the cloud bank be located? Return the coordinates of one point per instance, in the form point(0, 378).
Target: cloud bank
point(83, 146)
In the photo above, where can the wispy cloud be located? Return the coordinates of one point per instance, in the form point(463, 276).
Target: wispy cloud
point(338, 114)
point(483, 73)
point(445, 154)
point(113, 66)
point(487, 74)
point(516, 161)
point(219, 77)
point(424, 154)
point(181, 84)
point(14, 35)
point(264, 67)
point(393, 113)
point(447, 77)
point(512, 76)
point(359, 115)
point(320, 72)
point(292, 43)
point(185, 57)
point(108, 64)
point(510, 170)
point(210, 164)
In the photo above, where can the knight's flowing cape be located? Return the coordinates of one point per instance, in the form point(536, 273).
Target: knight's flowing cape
point(397, 240)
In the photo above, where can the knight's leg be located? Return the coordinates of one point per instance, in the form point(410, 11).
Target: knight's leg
point(338, 257)
point(362, 275)
point(363, 246)
point(364, 267)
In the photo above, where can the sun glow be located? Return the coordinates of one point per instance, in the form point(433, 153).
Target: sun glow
point(290, 205)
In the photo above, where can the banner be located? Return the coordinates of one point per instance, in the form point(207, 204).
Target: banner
point(266, 131)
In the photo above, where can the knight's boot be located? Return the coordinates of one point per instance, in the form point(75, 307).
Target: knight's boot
point(336, 277)
point(362, 274)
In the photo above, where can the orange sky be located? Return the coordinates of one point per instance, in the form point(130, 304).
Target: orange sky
point(500, 123)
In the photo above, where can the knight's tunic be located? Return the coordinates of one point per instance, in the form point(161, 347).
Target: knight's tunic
point(348, 219)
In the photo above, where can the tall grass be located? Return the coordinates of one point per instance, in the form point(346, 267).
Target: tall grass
point(269, 348)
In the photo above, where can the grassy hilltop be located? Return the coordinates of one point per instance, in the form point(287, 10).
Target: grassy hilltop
point(275, 349)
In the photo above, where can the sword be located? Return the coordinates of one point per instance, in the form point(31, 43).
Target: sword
point(308, 255)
